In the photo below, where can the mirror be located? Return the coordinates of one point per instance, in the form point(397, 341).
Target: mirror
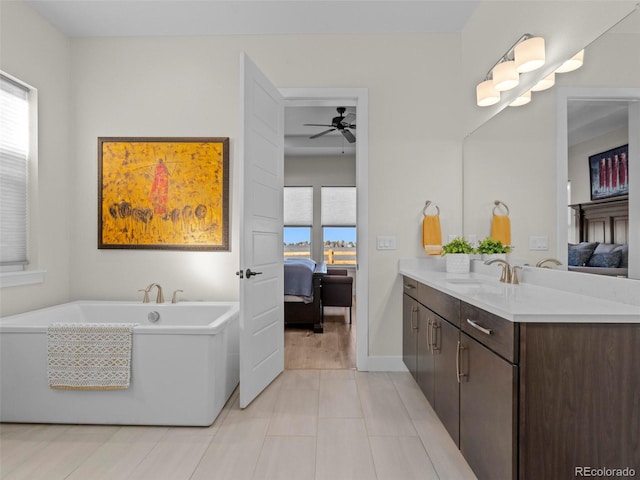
point(520, 156)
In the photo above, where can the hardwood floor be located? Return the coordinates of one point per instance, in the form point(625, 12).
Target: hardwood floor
point(307, 425)
point(333, 349)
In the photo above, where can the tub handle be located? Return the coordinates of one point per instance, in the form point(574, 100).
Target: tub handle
point(153, 316)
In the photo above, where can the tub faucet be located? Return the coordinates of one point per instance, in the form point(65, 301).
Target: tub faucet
point(159, 298)
point(506, 269)
point(552, 260)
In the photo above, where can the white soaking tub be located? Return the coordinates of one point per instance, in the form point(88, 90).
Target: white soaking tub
point(184, 366)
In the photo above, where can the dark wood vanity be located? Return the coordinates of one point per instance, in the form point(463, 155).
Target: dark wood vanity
point(525, 401)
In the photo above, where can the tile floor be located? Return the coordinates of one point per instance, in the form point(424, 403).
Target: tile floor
point(309, 424)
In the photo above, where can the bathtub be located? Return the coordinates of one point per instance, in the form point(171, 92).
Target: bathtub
point(184, 365)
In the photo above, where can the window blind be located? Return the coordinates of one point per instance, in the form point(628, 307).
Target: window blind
point(338, 206)
point(14, 151)
point(298, 206)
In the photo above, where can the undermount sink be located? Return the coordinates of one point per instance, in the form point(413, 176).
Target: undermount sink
point(464, 281)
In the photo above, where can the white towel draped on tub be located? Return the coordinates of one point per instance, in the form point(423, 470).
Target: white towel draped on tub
point(89, 356)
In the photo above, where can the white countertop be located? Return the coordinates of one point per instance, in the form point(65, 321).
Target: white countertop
point(524, 302)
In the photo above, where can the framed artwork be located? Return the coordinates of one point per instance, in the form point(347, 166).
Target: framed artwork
point(163, 193)
point(609, 173)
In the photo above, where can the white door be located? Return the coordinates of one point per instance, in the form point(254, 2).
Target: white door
point(261, 224)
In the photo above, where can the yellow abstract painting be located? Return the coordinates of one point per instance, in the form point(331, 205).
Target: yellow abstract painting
point(163, 193)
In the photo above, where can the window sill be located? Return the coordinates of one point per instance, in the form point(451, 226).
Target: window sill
point(26, 277)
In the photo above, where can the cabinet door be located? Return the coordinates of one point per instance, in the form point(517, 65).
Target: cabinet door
point(425, 358)
point(488, 412)
point(447, 389)
point(409, 332)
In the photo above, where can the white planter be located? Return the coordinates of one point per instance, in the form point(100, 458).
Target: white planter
point(458, 262)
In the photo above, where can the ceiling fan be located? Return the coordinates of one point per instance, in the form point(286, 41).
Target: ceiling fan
point(340, 123)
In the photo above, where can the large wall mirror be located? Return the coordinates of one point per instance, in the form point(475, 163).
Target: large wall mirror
point(535, 158)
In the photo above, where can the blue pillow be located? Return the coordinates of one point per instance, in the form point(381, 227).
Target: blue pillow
point(578, 257)
point(606, 260)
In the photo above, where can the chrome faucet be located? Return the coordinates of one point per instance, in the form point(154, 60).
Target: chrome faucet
point(506, 269)
point(551, 260)
point(159, 298)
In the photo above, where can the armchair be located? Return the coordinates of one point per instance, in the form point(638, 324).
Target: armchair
point(337, 290)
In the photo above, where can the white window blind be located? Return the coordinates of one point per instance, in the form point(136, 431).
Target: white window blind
point(338, 206)
point(14, 151)
point(298, 206)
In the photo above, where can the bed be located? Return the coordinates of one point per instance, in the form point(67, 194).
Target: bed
point(302, 293)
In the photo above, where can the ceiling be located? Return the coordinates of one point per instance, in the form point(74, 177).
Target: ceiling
point(297, 141)
point(89, 18)
point(588, 119)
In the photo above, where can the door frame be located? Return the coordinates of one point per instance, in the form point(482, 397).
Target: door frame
point(359, 98)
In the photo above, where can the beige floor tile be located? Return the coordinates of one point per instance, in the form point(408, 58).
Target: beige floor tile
point(401, 458)
point(445, 456)
point(300, 379)
point(382, 407)
point(262, 406)
point(287, 458)
point(343, 450)
point(121, 455)
point(417, 405)
point(234, 450)
point(61, 456)
point(339, 396)
point(295, 413)
point(174, 457)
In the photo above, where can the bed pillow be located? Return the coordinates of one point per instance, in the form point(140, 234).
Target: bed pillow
point(614, 247)
point(606, 260)
point(578, 257)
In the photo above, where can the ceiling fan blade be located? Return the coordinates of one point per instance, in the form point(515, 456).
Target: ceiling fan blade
point(322, 133)
point(349, 119)
point(349, 136)
point(316, 125)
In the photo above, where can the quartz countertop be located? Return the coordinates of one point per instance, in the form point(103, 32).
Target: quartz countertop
point(523, 302)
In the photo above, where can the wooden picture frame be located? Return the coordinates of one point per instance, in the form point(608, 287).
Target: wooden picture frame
point(609, 173)
point(167, 193)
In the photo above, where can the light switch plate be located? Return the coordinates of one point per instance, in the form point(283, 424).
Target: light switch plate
point(386, 242)
point(538, 242)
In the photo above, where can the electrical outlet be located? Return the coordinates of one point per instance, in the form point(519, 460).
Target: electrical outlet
point(538, 242)
point(386, 242)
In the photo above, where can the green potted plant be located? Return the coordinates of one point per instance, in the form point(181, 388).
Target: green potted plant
point(458, 255)
point(490, 249)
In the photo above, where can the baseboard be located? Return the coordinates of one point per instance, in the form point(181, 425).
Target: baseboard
point(384, 364)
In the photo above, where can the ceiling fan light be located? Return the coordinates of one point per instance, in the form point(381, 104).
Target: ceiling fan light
point(486, 94)
point(505, 76)
point(573, 63)
point(522, 99)
point(547, 82)
point(529, 54)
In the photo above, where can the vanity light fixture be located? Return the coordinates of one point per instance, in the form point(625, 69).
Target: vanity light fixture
point(525, 55)
point(572, 64)
point(529, 54)
point(486, 94)
point(522, 99)
point(547, 82)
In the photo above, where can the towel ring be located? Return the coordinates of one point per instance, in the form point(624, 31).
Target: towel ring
point(497, 204)
point(426, 205)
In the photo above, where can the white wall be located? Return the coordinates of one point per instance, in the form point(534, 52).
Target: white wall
point(188, 86)
point(37, 54)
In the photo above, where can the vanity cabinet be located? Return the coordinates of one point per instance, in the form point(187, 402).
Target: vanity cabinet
point(410, 324)
point(488, 393)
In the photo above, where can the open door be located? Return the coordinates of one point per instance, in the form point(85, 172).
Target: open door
point(261, 271)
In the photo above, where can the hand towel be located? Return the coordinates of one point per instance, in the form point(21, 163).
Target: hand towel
point(89, 356)
point(431, 235)
point(501, 229)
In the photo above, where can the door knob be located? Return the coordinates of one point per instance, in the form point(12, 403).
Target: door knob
point(249, 273)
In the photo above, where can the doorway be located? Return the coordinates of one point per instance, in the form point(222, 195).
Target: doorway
point(357, 98)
